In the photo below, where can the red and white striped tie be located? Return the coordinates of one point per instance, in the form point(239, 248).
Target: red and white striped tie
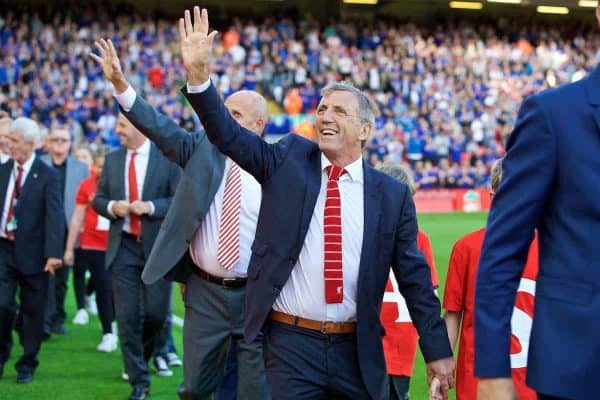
point(332, 228)
point(228, 252)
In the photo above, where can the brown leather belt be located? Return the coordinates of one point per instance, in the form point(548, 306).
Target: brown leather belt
point(228, 283)
point(325, 327)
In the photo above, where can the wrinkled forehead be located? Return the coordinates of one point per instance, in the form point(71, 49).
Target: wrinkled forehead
point(60, 133)
point(340, 98)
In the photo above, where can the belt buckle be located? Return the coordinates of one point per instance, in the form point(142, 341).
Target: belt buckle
point(226, 280)
point(324, 327)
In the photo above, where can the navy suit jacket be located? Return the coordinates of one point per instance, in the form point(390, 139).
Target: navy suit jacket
point(290, 174)
point(551, 180)
point(40, 231)
point(160, 183)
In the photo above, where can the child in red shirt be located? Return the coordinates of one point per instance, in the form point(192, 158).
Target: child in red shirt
point(459, 300)
point(401, 338)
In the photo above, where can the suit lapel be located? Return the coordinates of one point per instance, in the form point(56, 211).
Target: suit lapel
point(372, 214)
point(121, 173)
point(150, 172)
point(313, 185)
point(69, 178)
point(592, 86)
point(31, 180)
point(5, 171)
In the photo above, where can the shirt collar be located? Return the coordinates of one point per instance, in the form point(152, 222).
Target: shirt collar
point(26, 165)
point(143, 150)
point(354, 170)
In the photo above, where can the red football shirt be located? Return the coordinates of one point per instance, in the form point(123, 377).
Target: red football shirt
point(401, 338)
point(94, 233)
point(459, 295)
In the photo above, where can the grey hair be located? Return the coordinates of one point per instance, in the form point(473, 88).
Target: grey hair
point(400, 174)
point(496, 174)
point(27, 128)
point(366, 107)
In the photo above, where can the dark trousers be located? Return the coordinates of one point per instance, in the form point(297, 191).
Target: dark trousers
point(140, 309)
point(399, 385)
point(94, 260)
point(303, 364)
point(228, 386)
point(79, 285)
point(214, 317)
point(544, 397)
point(165, 343)
point(57, 293)
point(33, 291)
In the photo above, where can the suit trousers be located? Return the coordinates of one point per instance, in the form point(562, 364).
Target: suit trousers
point(214, 316)
point(544, 397)
point(33, 291)
point(57, 294)
point(228, 386)
point(140, 309)
point(304, 364)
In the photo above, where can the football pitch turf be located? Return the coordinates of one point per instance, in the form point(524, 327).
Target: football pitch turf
point(71, 368)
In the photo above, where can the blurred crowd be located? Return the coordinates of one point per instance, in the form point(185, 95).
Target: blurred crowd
point(448, 94)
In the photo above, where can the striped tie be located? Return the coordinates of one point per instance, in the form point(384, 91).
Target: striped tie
point(228, 252)
point(332, 228)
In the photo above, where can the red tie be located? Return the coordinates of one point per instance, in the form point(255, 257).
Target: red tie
point(135, 224)
point(228, 252)
point(10, 235)
point(332, 228)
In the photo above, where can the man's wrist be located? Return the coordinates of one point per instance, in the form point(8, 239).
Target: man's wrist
point(120, 85)
point(198, 76)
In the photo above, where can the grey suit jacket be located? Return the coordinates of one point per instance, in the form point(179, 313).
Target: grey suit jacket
point(160, 183)
point(76, 172)
point(203, 171)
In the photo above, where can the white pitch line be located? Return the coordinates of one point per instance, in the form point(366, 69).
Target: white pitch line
point(175, 320)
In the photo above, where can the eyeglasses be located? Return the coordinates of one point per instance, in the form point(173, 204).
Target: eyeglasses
point(60, 140)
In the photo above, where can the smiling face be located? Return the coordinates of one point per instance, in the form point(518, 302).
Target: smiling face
point(340, 130)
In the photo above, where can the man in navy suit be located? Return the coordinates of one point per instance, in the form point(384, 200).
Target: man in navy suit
point(328, 231)
point(550, 183)
point(31, 243)
point(135, 191)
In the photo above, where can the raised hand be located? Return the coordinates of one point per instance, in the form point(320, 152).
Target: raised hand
point(110, 64)
point(196, 45)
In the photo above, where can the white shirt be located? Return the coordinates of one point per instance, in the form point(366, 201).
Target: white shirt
point(303, 294)
point(141, 166)
point(4, 157)
point(11, 187)
point(205, 243)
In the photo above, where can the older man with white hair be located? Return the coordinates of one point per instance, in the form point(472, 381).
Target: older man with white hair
point(31, 243)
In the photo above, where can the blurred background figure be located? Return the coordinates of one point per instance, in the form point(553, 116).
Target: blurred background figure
point(71, 172)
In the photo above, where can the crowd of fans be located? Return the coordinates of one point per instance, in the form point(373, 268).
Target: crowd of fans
point(448, 94)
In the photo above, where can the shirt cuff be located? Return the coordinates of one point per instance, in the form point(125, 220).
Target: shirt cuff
point(109, 209)
point(126, 99)
point(151, 204)
point(198, 88)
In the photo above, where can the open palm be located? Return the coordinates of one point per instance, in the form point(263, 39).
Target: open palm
point(196, 43)
point(108, 60)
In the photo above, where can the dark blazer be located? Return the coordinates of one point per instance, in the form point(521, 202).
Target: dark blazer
point(160, 183)
point(76, 171)
point(203, 167)
point(550, 182)
point(40, 231)
point(290, 174)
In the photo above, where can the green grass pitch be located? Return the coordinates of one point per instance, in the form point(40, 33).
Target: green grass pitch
point(71, 368)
